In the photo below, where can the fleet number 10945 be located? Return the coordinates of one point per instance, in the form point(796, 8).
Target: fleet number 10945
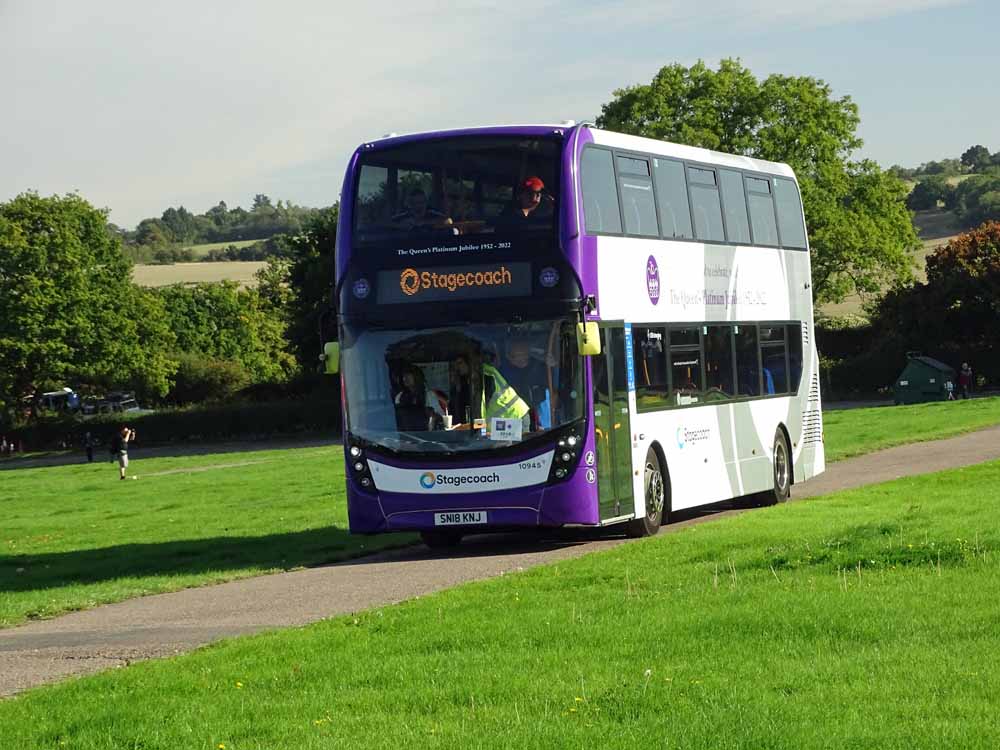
point(526, 465)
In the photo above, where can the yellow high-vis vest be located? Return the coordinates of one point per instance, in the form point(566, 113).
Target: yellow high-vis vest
point(504, 403)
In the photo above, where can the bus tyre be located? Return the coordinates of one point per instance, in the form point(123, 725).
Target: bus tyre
point(441, 539)
point(781, 469)
point(655, 493)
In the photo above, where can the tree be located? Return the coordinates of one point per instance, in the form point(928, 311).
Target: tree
point(976, 158)
point(69, 313)
point(223, 322)
point(859, 228)
point(927, 193)
point(977, 199)
point(956, 314)
point(300, 281)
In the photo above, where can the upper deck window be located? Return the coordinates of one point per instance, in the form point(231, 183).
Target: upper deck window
point(471, 185)
point(705, 205)
point(793, 232)
point(638, 206)
point(671, 192)
point(600, 198)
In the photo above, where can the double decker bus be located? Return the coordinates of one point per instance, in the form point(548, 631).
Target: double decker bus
point(556, 325)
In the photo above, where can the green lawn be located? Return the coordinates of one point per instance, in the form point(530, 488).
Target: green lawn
point(860, 620)
point(851, 432)
point(73, 537)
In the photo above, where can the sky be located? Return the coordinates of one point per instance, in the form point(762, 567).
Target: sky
point(141, 106)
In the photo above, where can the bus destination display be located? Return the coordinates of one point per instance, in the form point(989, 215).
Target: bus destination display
point(447, 283)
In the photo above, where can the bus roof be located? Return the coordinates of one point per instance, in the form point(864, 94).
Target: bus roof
point(600, 137)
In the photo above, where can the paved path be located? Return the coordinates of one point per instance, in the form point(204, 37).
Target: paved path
point(166, 624)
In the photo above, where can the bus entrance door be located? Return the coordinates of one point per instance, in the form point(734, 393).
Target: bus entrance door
point(611, 426)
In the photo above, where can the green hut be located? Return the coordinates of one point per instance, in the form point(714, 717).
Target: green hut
point(923, 379)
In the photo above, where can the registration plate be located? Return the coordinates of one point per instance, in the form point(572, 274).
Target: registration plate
point(460, 518)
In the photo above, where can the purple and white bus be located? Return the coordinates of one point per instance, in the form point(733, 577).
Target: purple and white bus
point(555, 325)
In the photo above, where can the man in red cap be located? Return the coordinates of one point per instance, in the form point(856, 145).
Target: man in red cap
point(529, 195)
point(524, 209)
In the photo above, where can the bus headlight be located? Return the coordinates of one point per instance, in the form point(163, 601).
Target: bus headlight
point(356, 451)
point(561, 472)
point(359, 466)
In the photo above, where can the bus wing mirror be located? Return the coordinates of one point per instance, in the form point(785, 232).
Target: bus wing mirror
point(588, 338)
point(331, 357)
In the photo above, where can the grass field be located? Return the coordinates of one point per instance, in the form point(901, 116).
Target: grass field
point(241, 271)
point(74, 537)
point(200, 251)
point(851, 432)
point(863, 619)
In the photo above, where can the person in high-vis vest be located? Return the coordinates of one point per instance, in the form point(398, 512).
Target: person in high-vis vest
point(504, 403)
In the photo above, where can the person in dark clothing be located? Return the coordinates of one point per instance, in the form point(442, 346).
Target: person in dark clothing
point(524, 211)
point(965, 381)
point(119, 448)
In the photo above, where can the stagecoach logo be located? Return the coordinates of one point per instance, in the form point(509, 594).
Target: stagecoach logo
point(652, 280)
point(409, 282)
point(429, 480)
point(685, 436)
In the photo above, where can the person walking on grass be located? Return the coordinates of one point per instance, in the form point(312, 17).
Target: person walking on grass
point(965, 381)
point(119, 448)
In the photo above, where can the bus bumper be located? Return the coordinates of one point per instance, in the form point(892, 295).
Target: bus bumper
point(570, 501)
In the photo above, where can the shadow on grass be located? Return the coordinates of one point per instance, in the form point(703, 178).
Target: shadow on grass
point(34, 572)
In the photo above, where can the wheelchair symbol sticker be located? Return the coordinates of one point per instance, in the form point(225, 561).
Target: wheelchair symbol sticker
point(591, 476)
point(588, 458)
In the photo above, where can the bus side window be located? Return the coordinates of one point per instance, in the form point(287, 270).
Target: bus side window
point(672, 198)
point(794, 356)
point(773, 359)
point(719, 362)
point(649, 353)
point(762, 225)
point(705, 205)
point(600, 194)
point(747, 361)
point(638, 205)
point(686, 382)
point(793, 232)
point(735, 203)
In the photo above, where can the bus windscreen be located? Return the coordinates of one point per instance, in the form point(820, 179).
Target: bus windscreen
point(470, 186)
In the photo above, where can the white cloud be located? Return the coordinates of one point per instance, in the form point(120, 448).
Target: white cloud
point(140, 105)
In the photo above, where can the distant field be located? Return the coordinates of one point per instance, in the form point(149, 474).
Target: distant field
point(190, 273)
point(935, 228)
point(200, 251)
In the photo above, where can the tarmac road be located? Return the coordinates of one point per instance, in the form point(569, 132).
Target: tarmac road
point(166, 624)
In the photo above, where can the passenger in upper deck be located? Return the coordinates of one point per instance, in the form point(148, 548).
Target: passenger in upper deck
point(524, 210)
point(418, 214)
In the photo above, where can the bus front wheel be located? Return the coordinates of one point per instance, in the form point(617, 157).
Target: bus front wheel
point(781, 466)
point(655, 495)
point(441, 539)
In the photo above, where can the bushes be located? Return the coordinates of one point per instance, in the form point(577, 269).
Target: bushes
point(201, 378)
point(319, 414)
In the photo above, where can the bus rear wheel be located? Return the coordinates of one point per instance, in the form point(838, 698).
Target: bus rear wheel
point(441, 539)
point(781, 467)
point(655, 495)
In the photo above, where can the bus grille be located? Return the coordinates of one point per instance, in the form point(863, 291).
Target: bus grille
point(812, 417)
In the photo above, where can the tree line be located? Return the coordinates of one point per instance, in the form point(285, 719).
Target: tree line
point(968, 186)
point(179, 227)
point(69, 313)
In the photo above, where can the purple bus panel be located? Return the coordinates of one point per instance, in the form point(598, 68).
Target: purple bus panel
point(384, 505)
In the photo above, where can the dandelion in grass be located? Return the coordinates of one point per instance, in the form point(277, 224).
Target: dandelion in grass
point(239, 685)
